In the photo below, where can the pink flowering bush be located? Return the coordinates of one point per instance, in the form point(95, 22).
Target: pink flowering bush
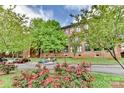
point(64, 76)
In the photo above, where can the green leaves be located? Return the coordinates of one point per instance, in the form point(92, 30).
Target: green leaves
point(105, 25)
point(15, 35)
point(47, 35)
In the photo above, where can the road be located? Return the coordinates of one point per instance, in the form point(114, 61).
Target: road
point(111, 69)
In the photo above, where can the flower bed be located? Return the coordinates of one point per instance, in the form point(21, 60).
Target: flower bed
point(63, 76)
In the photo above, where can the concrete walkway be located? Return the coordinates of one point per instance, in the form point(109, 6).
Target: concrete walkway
point(111, 69)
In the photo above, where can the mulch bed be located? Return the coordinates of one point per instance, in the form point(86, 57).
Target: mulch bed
point(1, 82)
point(117, 84)
point(1, 73)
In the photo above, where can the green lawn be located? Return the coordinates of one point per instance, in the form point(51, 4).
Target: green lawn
point(101, 80)
point(104, 80)
point(98, 60)
point(7, 79)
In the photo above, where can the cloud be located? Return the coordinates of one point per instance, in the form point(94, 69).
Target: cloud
point(64, 23)
point(46, 14)
point(31, 12)
point(75, 7)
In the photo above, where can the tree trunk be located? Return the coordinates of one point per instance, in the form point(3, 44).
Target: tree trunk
point(75, 51)
point(55, 58)
point(119, 63)
point(39, 51)
point(74, 54)
point(12, 55)
point(113, 54)
point(54, 54)
point(17, 55)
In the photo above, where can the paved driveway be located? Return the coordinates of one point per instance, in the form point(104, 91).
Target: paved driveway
point(32, 66)
point(111, 69)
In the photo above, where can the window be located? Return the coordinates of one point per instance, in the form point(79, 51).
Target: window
point(87, 47)
point(66, 49)
point(67, 31)
point(122, 46)
point(76, 39)
point(78, 29)
point(85, 27)
point(71, 49)
point(97, 49)
point(79, 49)
point(71, 30)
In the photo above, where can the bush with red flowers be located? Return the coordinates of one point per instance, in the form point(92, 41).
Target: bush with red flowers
point(64, 76)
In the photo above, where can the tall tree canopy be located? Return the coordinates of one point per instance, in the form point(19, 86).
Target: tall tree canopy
point(105, 27)
point(14, 34)
point(47, 35)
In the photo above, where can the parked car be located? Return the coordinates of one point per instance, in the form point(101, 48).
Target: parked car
point(3, 59)
point(42, 61)
point(21, 60)
point(48, 61)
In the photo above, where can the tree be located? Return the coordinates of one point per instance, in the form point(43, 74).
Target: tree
point(37, 27)
point(75, 39)
point(105, 27)
point(14, 34)
point(47, 35)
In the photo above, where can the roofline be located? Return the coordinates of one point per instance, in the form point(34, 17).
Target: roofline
point(64, 27)
point(71, 25)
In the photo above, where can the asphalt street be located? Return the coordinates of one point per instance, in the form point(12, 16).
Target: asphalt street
point(111, 69)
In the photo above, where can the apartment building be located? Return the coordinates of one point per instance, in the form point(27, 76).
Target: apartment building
point(83, 50)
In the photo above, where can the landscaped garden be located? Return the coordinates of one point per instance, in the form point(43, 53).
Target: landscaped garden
point(101, 80)
point(62, 75)
point(103, 30)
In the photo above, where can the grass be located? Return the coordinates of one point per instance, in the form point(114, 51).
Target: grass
point(104, 80)
point(7, 79)
point(97, 60)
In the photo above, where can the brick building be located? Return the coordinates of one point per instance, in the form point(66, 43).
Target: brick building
point(83, 50)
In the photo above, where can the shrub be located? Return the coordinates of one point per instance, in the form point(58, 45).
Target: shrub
point(6, 68)
point(63, 76)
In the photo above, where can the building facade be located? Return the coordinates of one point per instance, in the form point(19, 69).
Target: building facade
point(83, 50)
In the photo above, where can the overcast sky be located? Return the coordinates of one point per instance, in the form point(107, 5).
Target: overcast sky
point(58, 12)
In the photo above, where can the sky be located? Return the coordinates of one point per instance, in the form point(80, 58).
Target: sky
point(60, 13)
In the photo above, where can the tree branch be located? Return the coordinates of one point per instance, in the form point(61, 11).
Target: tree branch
point(114, 56)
